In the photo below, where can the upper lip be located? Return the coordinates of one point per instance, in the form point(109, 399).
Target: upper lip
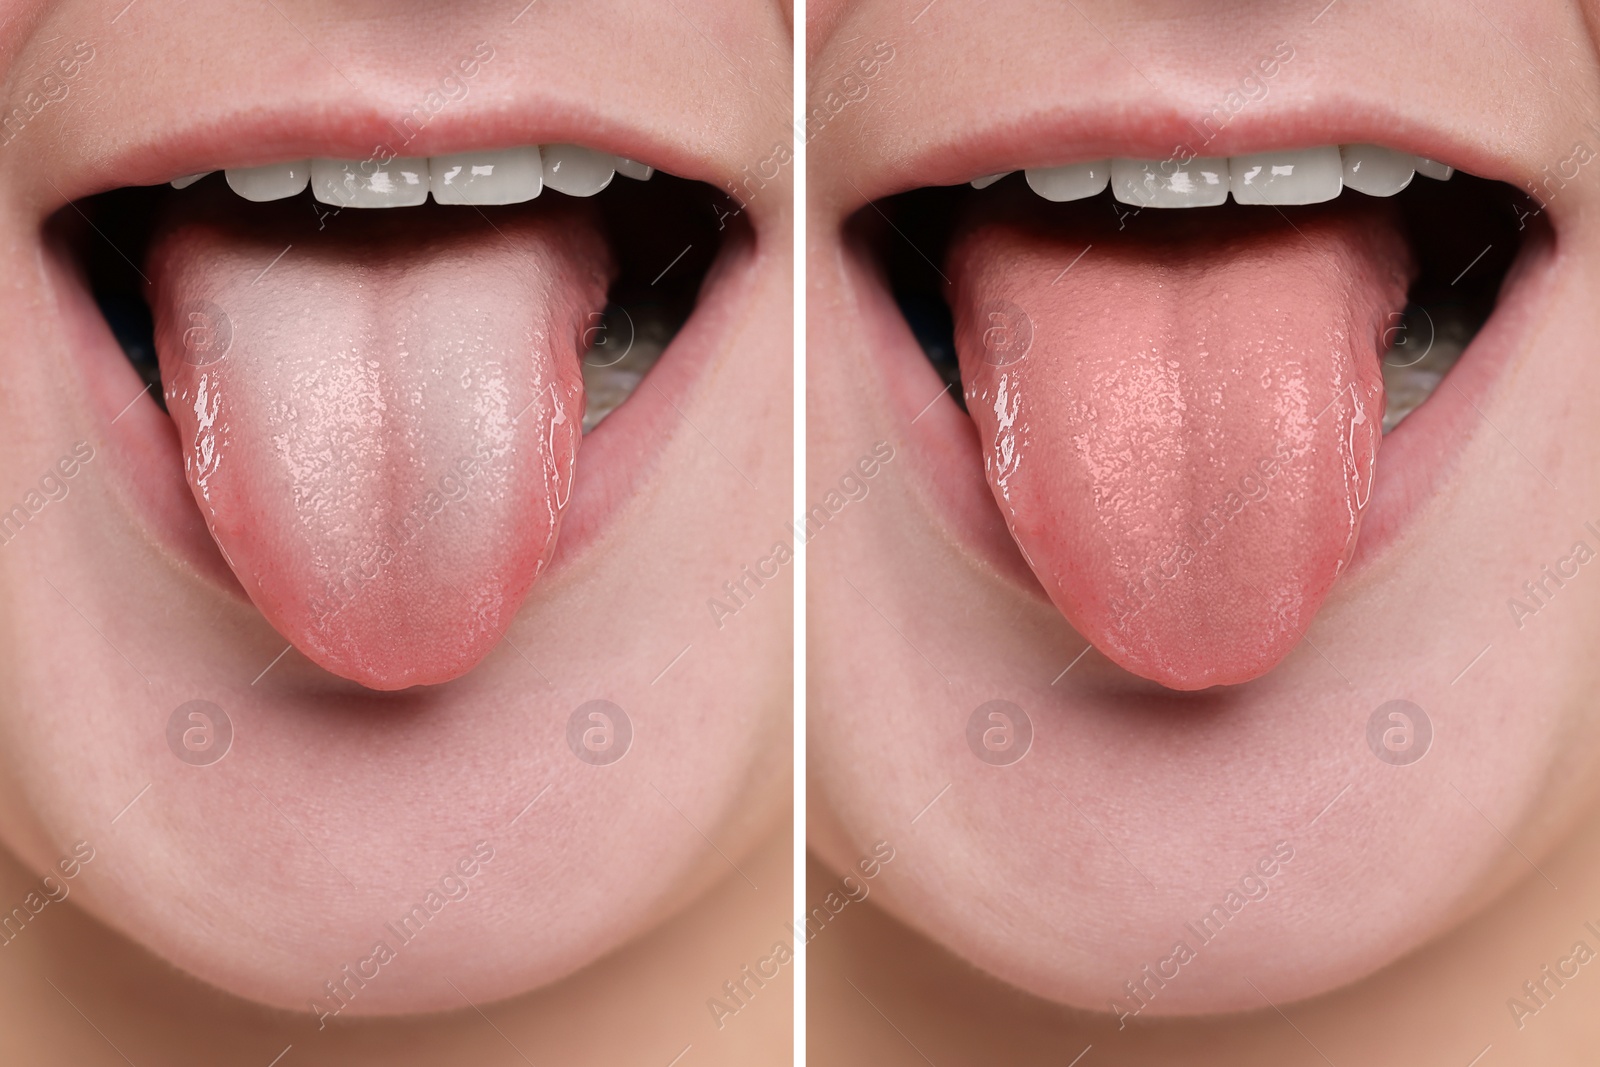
point(1033, 134)
point(244, 135)
point(315, 113)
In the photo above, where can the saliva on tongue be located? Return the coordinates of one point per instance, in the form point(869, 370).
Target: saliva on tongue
point(1181, 426)
point(379, 424)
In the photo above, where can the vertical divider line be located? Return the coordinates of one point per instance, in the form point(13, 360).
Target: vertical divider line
point(798, 361)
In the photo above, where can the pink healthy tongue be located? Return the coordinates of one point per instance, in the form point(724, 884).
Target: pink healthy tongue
point(379, 426)
point(1181, 429)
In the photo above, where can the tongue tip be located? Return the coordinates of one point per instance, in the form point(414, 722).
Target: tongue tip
point(383, 649)
point(395, 673)
point(1192, 678)
point(1174, 655)
point(1196, 679)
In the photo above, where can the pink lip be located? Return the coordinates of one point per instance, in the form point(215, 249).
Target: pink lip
point(224, 133)
point(1417, 459)
point(1033, 136)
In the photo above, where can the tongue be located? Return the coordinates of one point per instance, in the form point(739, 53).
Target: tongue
point(379, 426)
point(1181, 429)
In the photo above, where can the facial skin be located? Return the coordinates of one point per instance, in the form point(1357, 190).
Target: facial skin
point(1136, 808)
point(143, 1007)
point(337, 808)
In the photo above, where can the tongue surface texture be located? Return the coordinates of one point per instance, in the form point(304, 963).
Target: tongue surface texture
point(380, 425)
point(1181, 429)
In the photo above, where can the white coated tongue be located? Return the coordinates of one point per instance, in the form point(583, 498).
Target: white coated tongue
point(379, 425)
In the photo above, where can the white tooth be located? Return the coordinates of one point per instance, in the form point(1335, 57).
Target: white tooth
point(1301, 176)
point(575, 170)
point(275, 181)
point(1375, 170)
point(1074, 182)
point(185, 182)
point(1168, 183)
point(984, 183)
point(629, 169)
point(368, 183)
point(508, 176)
point(1428, 168)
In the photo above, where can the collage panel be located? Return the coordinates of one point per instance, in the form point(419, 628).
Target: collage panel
point(1207, 678)
point(396, 391)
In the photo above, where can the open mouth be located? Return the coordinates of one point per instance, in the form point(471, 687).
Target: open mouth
point(1179, 401)
point(377, 374)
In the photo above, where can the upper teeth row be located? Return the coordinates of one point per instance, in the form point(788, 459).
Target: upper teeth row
point(1301, 176)
point(505, 176)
